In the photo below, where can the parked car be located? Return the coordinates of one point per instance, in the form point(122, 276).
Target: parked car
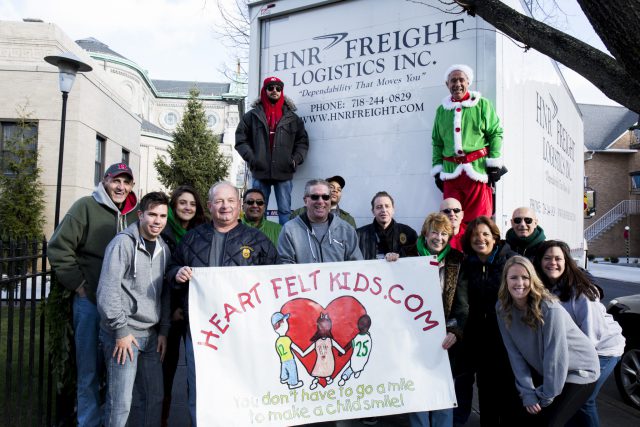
point(626, 311)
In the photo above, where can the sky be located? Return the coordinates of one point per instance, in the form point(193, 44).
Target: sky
point(176, 39)
point(171, 39)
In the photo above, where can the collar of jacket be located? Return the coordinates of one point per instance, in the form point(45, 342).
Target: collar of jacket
point(305, 218)
point(101, 196)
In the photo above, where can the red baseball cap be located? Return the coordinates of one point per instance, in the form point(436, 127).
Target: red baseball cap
point(272, 81)
point(117, 169)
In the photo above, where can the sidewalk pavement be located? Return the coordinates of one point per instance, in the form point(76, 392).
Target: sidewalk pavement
point(620, 271)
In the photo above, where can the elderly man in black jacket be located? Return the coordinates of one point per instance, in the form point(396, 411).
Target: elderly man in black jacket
point(384, 235)
point(271, 138)
point(525, 235)
point(225, 242)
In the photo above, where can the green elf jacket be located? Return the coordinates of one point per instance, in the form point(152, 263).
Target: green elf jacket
point(460, 128)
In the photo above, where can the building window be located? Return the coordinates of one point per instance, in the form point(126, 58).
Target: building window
point(99, 162)
point(12, 134)
point(171, 119)
point(212, 121)
point(125, 156)
point(635, 182)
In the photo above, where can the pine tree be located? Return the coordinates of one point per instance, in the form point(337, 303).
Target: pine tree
point(21, 192)
point(195, 157)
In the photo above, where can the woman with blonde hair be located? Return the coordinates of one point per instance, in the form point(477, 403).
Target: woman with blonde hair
point(434, 241)
point(555, 365)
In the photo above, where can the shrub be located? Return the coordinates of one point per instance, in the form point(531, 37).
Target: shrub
point(591, 257)
point(607, 259)
point(615, 259)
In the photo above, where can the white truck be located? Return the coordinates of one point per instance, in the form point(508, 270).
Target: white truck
point(367, 77)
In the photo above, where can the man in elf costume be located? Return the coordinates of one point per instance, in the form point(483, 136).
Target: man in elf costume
point(467, 142)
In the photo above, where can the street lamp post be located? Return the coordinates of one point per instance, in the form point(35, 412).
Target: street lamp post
point(627, 237)
point(68, 65)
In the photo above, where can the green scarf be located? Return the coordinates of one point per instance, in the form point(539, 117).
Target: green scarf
point(423, 250)
point(178, 230)
point(525, 242)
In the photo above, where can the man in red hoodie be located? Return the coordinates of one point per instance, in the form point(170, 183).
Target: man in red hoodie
point(76, 251)
point(272, 140)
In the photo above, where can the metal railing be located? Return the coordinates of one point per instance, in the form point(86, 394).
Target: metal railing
point(26, 392)
point(611, 218)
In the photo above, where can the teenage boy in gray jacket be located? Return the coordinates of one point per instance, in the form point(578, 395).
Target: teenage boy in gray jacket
point(133, 302)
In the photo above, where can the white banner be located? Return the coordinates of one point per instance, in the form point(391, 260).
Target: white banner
point(295, 344)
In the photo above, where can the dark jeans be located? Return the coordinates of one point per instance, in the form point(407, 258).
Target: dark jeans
point(177, 333)
point(587, 415)
point(145, 371)
point(282, 190)
point(89, 360)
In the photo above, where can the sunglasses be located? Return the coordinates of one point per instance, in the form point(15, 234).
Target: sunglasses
point(527, 220)
point(317, 196)
point(255, 202)
point(454, 210)
point(271, 88)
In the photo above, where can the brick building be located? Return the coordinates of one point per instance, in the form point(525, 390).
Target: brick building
point(612, 170)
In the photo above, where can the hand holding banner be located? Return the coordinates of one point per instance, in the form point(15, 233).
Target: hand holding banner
point(294, 344)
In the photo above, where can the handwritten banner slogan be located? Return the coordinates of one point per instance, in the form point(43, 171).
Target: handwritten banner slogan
point(296, 344)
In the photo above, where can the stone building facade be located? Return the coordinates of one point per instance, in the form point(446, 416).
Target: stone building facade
point(114, 113)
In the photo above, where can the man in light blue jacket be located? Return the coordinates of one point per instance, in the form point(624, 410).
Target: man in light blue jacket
point(317, 235)
point(133, 303)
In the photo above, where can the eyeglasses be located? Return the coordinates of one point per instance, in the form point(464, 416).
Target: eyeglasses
point(526, 219)
point(454, 210)
point(256, 202)
point(325, 197)
point(271, 88)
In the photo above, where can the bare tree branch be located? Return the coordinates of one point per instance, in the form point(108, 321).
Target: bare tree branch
point(607, 73)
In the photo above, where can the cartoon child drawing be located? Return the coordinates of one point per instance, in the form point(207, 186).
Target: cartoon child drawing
point(362, 345)
point(322, 343)
point(288, 368)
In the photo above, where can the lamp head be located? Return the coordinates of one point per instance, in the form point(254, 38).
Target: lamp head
point(68, 65)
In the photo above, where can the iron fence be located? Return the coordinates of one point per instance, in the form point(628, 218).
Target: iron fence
point(26, 385)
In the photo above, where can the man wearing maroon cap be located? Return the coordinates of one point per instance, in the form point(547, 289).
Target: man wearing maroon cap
point(272, 140)
point(76, 251)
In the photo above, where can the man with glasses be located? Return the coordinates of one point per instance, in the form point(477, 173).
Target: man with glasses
point(253, 207)
point(336, 185)
point(317, 235)
point(525, 235)
point(272, 140)
point(453, 210)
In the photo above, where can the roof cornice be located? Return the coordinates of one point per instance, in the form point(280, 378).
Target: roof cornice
point(143, 74)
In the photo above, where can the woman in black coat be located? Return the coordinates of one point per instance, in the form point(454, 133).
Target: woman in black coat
point(482, 351)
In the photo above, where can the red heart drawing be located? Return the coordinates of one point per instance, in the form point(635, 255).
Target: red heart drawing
point(344, 313)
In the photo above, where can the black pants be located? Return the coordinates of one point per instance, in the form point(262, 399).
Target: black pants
point(177, 332)
point(565, 405)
